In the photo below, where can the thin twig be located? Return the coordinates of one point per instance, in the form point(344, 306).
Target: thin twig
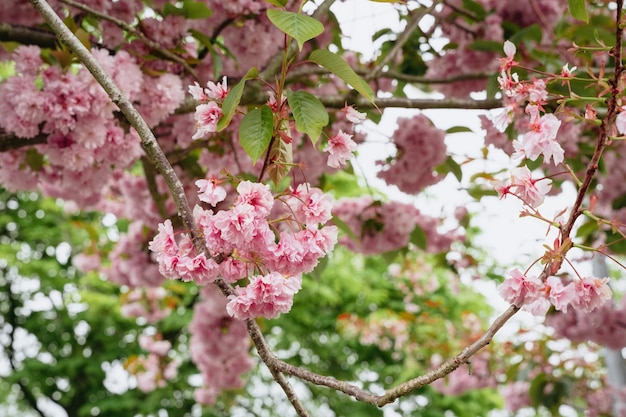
point(402, 40)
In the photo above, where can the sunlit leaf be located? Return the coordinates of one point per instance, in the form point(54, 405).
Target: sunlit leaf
point(338, 66)
point(578, 9)
point(309, 113)
point(255, 131)
point(300, 27)
point(229, 106)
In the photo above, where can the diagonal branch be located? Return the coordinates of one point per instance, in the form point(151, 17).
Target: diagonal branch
point(411, 26)
point(155, 153)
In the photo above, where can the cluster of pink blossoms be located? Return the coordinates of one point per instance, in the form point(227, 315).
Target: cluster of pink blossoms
point(535, 296)
point(152, 371)
point(416, 139)
point(605, 325)
point(386, 226)
point(218, 345)
point(542, 129)
point(278, 250)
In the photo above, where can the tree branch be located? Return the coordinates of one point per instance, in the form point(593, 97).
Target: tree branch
point(155, 152)
point(9, 141)
point(404, 37)
point(27, 36)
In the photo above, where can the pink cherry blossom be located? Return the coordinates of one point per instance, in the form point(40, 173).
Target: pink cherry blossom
point(265, 296)
point(591, 293)
point(256, 195)
point(197, 92)
point(198, 269)
point(310, 205)
point(210, 192)
point(237, 226)
point(560, 296)
point(541, 140)
point(353, 115)
point(509, 51)
point(620, 121)
point(531, 191)
point(164, 241)
point(340, 148)
point(207, 115)
point(217, 91)
point(519, 289)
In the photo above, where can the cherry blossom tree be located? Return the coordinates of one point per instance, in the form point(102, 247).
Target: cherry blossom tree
point(200, 159)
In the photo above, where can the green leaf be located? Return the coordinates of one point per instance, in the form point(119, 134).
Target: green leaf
point(279, 3)
point(336, 64)
point(309, 113)
point(486, 46)
point(530, 33)
point(578, 9)
point(476, 8)
point(451, 166)
point(255, 131)
point(479, 192)
point(419, 238)
point(343, 226)
point(298, 26)
point(458, 129)
point(190, 10)
point(229, 106)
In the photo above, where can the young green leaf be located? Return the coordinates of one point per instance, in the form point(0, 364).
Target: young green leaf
point(336, 64)
point(309, 113)
point(578, 9)
point(418, 238)
point(229, 106)
point(298, 26)
point(279, 3)
point(255, 131)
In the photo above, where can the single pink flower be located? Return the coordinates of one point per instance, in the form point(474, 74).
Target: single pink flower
point(520, 290)
point(217, 91)
point(559, 295)
point(207, 115)
point(353, 115)
point(541, 140)
point(531, 191)
point(257, 195)
point(210, 192)
point(591, 293)
point(164, 241)
point(197, 92)
point(340, 148)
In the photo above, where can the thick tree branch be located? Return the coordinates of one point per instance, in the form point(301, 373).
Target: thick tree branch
point(155, 153)
point(27, 36)
point(9, 141)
